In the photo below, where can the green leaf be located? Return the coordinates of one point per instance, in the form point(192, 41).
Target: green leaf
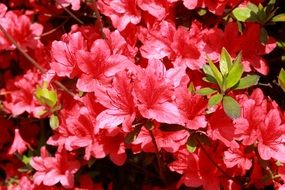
point(131, 136)
point(26, 159)
point(205, 91)
point(216, 73)
point(248, 81)
point(53, 122)
point(191, 88)
point(281, 79)
point(216, 99)
point(231, 107)
point(202, 12)
point(242, 13)
point(253, 7)
point(209, 79)
point(263, 35)
point(46, 96)
point(191, 144)
point(234, 75)
point(207, 70)
point(279, 18)
point(225, 62)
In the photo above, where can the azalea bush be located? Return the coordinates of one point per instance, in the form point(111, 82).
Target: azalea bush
point(142, 94)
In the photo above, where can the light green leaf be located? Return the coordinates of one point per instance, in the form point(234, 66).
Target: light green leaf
point(191, 144)
point(234, 75)
point(216, 99)
point(46, 96)
point(225, 62)
point(202, 12)
point(216, 73)
point(281, 79)
point(242, 13)
point(207, 70)
point(53, 122)
point(253, 7)
point(248, 81)
point(231, 107)
point(205, 91)
point(279, 18)
point(191, 88)
point(26, 159)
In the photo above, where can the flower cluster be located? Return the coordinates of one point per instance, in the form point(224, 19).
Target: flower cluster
point(139, 94)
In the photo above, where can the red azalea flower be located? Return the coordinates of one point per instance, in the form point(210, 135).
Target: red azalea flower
point(271, 142)
point(153, 94)
point(18, 145)
point(52, 170)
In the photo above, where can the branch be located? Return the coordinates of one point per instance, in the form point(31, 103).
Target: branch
point(99, 19)
point(27, 56)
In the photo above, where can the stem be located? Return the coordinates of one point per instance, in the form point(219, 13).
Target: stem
point(27, 56)
point(158, 157)
point(71, 14)
point(99, 19)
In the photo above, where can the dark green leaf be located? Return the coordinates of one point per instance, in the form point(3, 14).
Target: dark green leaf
point(231, 107)
point(209, 79)
point(205, 91)
point(216, 99)
point(248, 81)
point(131, 136)
point(263, 35)
point(281, 79)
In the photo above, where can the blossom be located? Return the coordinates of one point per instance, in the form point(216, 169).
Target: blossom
point(106, 65)
point(53, 170)
point(21, 29)
point(64, 61)
point(19, 145)
point(119, 102)
point(75, 4)
point(153, 94)
point(271, 137)
point(196, 169)
point(121, 12)
point(21, 99)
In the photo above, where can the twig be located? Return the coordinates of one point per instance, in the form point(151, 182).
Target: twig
point(27, 56)
point(53, 30)
point(160, 163)
point(99, 19)
point(71, 14)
